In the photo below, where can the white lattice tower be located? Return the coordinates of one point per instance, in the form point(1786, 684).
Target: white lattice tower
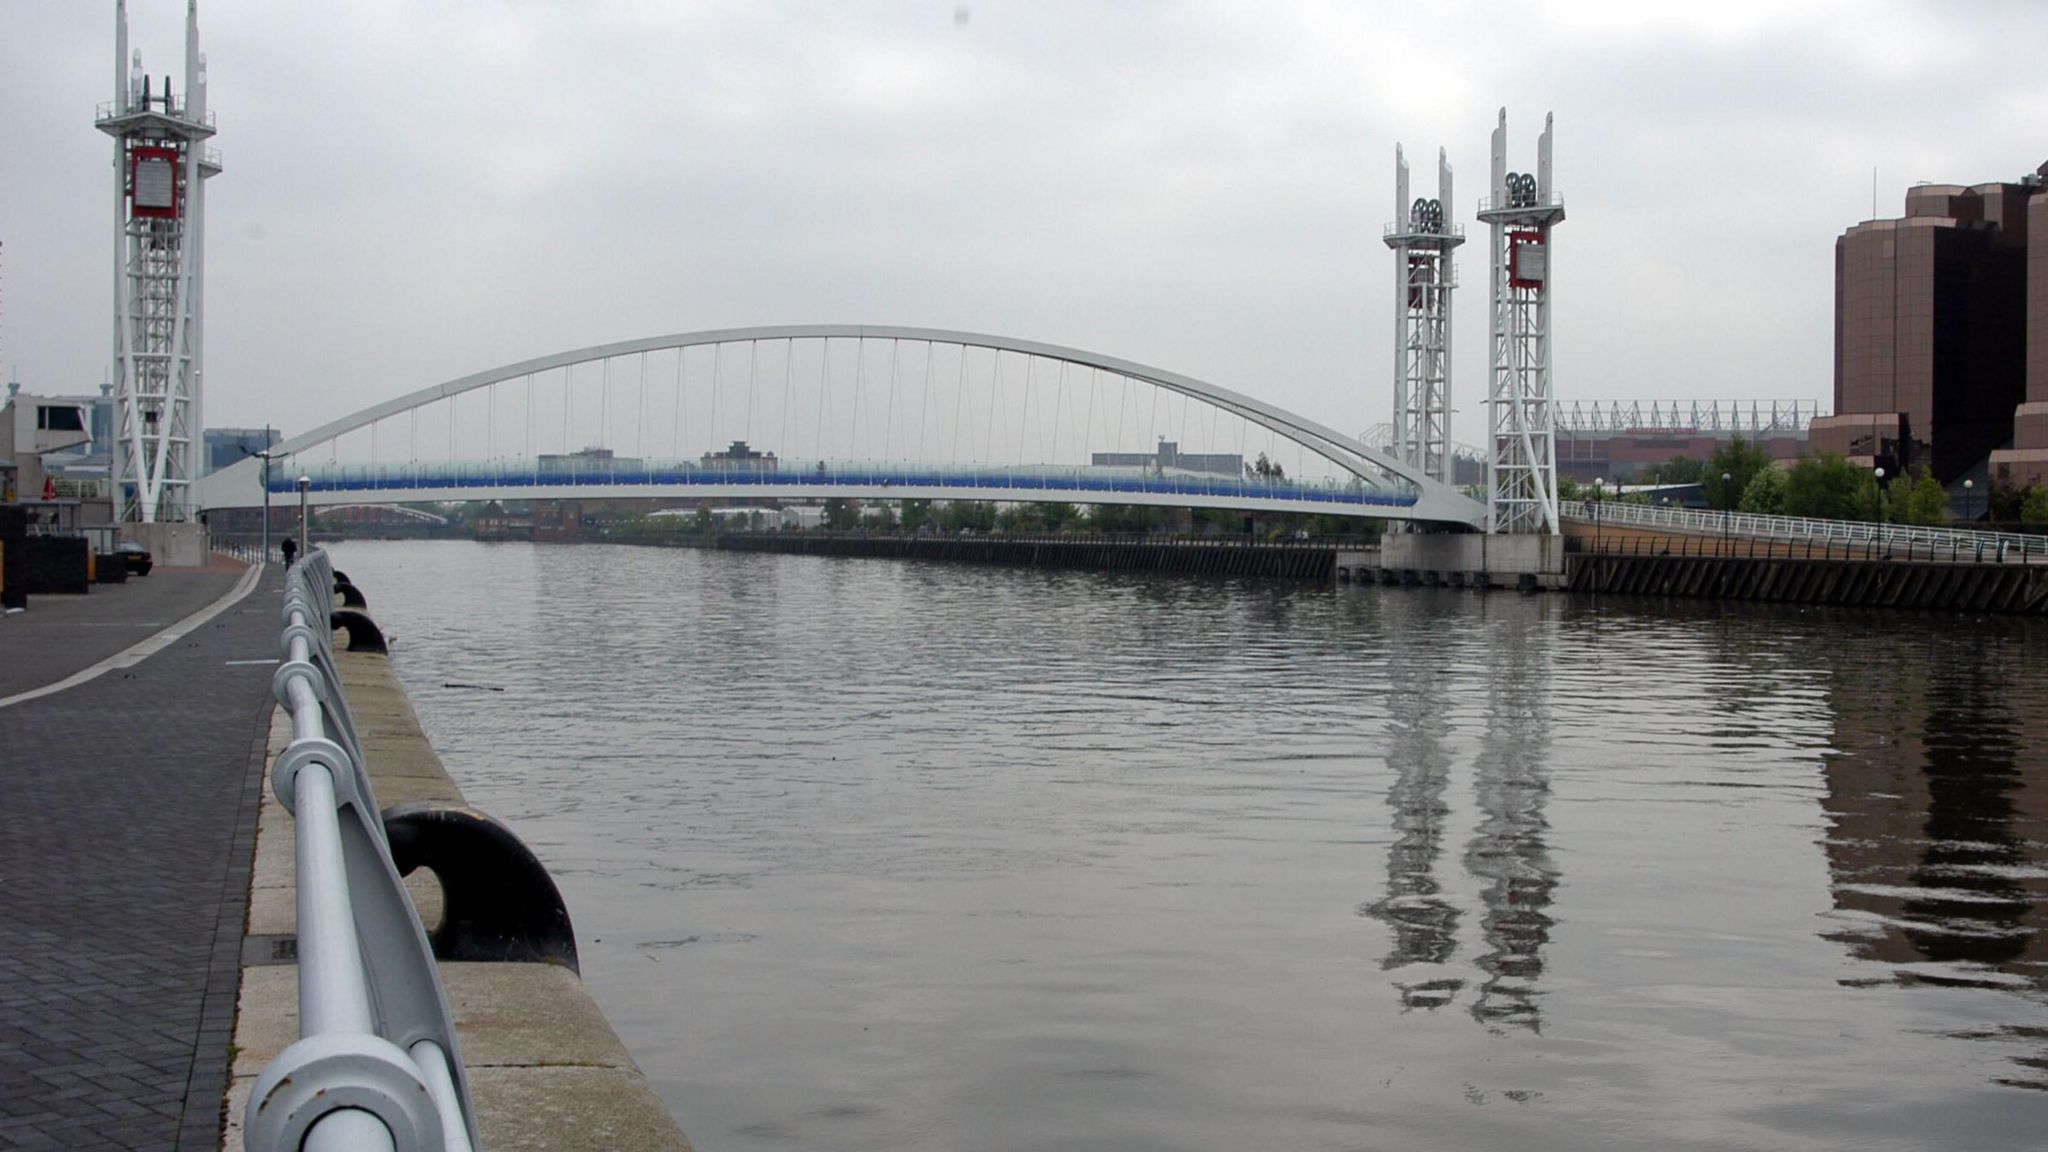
point(1521, 473)
point(160, 171)
point(1423, 237)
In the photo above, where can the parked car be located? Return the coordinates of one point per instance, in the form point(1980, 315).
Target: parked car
point(136, 557)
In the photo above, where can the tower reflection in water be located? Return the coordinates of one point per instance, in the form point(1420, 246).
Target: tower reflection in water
point(1507, 854)
point(1511, 785)
point(1938, 849)
point(1424, 924)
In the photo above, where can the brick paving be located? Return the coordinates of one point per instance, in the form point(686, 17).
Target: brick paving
point(127, 824)
point(59, 635)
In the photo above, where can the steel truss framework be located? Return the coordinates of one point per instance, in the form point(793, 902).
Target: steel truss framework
point(159, 281)
point(1521, 493)
point(240, 485)
point(1742, 417)
point(1425, 274)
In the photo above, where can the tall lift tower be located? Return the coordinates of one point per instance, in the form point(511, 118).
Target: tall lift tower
point(1521, 471)
point(1422, 237)
point(160, 169)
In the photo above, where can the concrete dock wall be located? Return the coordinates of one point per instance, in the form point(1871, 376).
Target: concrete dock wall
point(546, 1070)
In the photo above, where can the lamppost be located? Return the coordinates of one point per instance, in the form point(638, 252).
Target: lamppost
point(1727, 503)
point(265, 457)
point(305, 536)
point(1882, 535)
point(1967, 486)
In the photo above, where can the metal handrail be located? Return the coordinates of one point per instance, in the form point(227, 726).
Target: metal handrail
point(430, 474)
point(376, 1065)
point(1343, 543)
point(2006, 545)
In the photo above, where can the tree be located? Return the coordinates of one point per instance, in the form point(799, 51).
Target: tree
point(1740, 461)
point(1828, 487)
point(1056, 517)
point(841, 514)
point(1766, 492)
point(1567, 489)
point(1126, 518)
point(2002, 504)
point(703, 518)
point(1677, 470)
point(1922, 501)
point(882, 516)
point(1266, 469)
point(1212, 521)
point(971, 515)
point(916, 514)
point(2034, 506)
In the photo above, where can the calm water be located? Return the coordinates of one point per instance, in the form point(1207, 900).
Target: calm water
point(871, 855)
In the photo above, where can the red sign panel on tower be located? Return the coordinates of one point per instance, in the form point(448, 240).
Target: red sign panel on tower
point(153, 182)
point(1528, 260)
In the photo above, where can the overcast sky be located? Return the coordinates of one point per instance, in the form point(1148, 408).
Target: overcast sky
point(415, 191)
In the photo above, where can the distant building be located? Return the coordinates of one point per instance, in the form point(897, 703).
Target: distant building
point(40, 435)
point(1168, 456)
point(229, 446)
point(492, 523)
point(739, 458)
point(586, 462)
point(1621, 439)
point(1941, 330)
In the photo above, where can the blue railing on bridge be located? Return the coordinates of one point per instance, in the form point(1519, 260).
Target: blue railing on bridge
point(999, 483)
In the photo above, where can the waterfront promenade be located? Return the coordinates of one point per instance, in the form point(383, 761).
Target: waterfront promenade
point(127, 816)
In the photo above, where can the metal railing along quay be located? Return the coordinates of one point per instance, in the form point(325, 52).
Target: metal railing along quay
point(1764, 548)
point(376, 1065)
point(1875, 538)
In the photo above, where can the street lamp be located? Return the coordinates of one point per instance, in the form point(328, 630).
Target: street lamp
point(1881, 533)
point(1967, 486)
point(265, 457)
point(1597, 498)
point(305, 535)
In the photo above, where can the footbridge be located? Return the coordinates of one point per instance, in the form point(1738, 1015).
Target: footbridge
point(840, 411)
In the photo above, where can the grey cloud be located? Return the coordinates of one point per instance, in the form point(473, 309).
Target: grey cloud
point(415, 191)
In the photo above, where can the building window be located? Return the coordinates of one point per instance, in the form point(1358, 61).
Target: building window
point(50, 418)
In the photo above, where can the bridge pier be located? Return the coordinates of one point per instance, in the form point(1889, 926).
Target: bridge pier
point(1475, 560)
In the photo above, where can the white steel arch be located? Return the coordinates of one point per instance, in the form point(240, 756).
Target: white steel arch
point(240, 486)
point(399, 510)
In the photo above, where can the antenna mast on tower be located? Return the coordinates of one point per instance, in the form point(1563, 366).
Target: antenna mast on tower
point(160, 171)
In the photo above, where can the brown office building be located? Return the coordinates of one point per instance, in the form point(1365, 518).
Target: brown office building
point(1932, 328)
point(2026, 461)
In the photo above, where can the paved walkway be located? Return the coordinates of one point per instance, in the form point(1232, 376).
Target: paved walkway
point(59, 635)
point(127, 820)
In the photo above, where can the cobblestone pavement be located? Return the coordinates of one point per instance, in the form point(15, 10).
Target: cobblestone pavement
point(59, 635)
point(127, 821)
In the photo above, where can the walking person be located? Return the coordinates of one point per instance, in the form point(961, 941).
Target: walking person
point(290, 548)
